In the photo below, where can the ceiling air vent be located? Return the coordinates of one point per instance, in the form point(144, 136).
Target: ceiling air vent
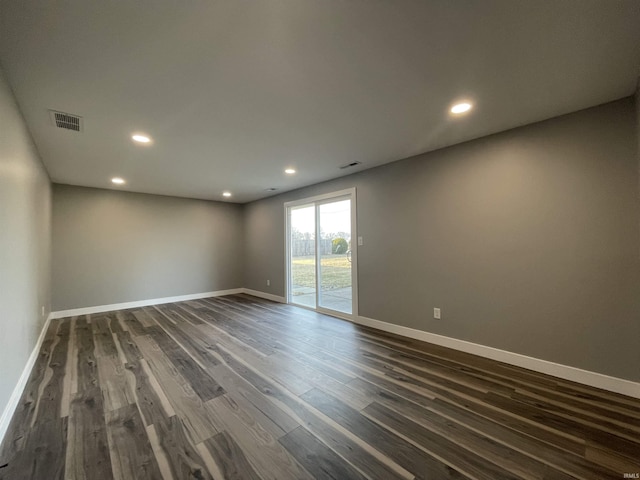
point(349, 165)
point(67, 121)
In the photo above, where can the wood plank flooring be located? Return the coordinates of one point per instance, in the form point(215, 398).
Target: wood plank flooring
point(238, 387)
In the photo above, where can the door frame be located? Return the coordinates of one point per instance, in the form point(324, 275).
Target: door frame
point(318, 200)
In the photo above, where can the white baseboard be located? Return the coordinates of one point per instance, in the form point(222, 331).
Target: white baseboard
point(598, 380)
point(142, 303)
point(10, 409)
point(586, 377)
point(267, 296)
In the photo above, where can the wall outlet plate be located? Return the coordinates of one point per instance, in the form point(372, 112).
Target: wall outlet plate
point(268, 283)
point(436, 313)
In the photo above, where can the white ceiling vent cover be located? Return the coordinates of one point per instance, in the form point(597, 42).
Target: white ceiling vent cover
point(68, 121)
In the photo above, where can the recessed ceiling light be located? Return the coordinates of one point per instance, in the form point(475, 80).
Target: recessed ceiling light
point(290, 171)
point(118, 180)
point(140, 138)
point(462, 107)
point(226, 194)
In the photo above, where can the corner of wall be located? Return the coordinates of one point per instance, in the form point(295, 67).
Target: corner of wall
point(637, 98)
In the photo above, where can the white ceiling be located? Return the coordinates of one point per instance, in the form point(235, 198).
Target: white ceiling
point(234, 91)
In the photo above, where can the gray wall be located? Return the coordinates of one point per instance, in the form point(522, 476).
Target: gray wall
point(25, 239)
point(113, 247)
point(527, 240)
point(637, 98)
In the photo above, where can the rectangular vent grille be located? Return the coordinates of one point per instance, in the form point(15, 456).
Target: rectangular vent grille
point(349, 165)
point(66, 120)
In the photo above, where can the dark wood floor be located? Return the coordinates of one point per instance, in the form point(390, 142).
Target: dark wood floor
point(241, 388)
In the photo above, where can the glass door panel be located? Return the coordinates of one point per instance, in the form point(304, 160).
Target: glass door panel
point(334, 256)
point(302, 253)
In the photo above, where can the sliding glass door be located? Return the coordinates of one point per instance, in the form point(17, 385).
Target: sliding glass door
point(321, 255)
point(335, 285)
point(303, 255)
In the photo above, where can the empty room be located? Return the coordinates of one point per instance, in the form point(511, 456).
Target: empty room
point(319, 239)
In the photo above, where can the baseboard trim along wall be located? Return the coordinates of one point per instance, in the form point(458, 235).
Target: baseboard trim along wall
point(10, 409)
point(267, 296)
point(585, 377)
point(142, 303)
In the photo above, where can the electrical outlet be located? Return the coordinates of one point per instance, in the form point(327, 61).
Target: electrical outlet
point(268, 283)
point(42, 310)
point(436, 313)
point(360, 241)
